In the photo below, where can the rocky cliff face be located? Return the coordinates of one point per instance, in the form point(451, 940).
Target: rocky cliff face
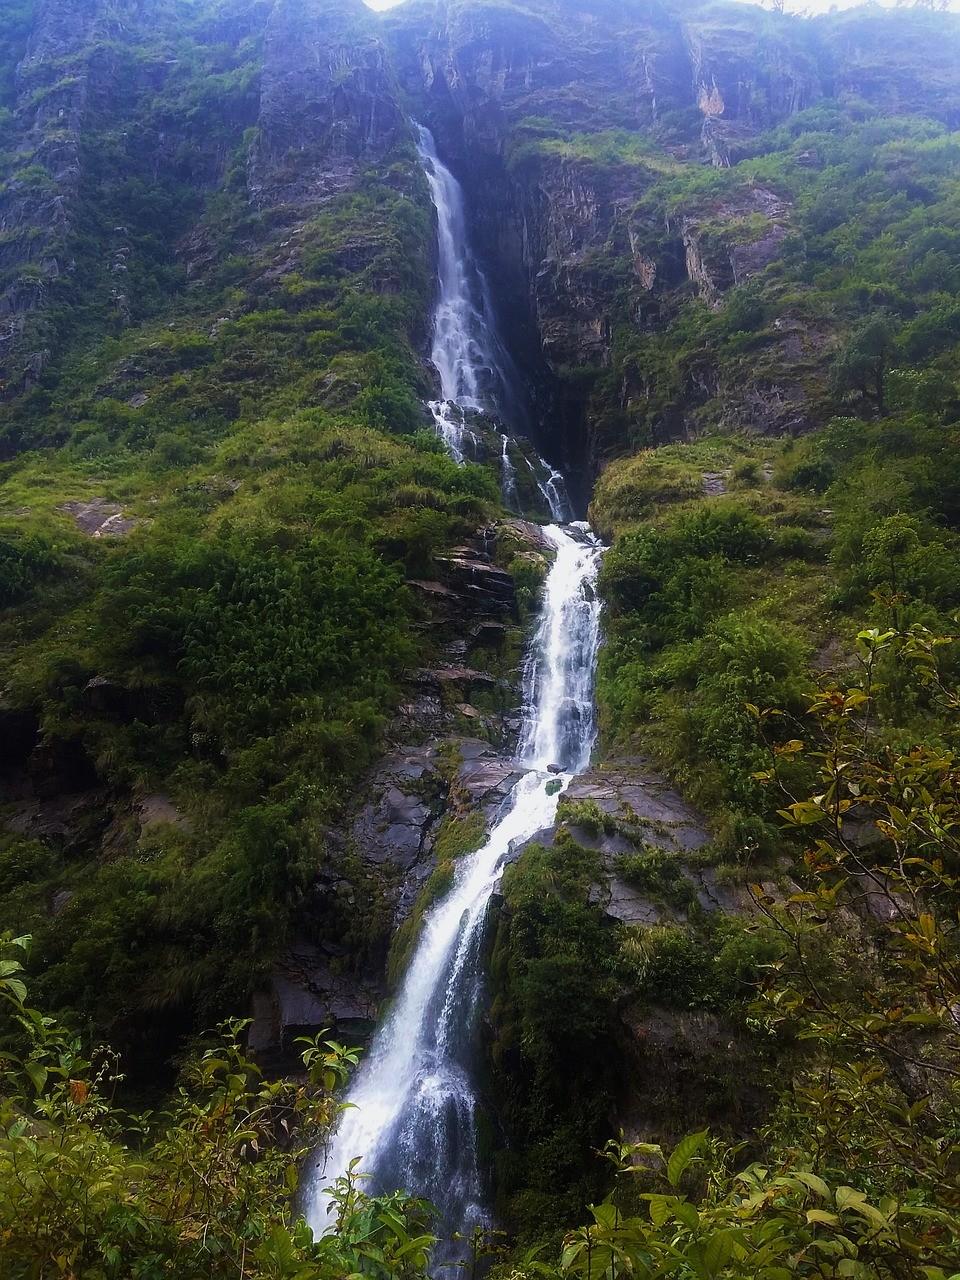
point(106, 98)
point(505, 90)
point(328, 104)
point(38, 202)
point(503, 87)
point(103, 114)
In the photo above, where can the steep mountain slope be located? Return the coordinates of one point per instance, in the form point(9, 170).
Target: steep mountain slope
point(262, 639)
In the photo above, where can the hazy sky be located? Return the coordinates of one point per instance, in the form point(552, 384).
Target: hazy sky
point(796, 6)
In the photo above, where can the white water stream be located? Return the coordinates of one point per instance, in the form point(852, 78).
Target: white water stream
point(412, 1118)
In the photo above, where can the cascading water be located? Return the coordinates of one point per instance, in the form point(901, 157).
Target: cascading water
point(465, 352)
point(412, 1119)
point(476, 371)
point(508, 476)
point(413, 1099)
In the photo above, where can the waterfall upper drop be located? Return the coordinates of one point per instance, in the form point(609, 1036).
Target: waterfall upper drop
point(477, 373)
point(469, 359)
point(413, 1103)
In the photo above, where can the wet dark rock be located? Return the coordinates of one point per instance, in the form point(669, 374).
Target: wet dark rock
point(465, 676)
point(625, 904)
point(328, 103)
point(529, 535)
point(477, 580)
point(39, 217)
point(680, 1063)
point(408, 796)
point(487, 634)
point(61, 900)
point(61, 766)
point(105, 697)
point(485, 776)
point(72, 822)
point(715, 261)
point(406, 793)
point(19, 730)
point(308, 994)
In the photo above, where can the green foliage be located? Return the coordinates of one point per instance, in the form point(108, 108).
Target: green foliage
point(659, 874)
point(17, 21)
point(677, 654)
point(862, 365)
point(24, 561)
point(866, 267)
point(703, 1217)
point(281, 634)
point(262, 423)
point(554, 967)
point(860, 1174)
point(209, 1187)
point(718, 966)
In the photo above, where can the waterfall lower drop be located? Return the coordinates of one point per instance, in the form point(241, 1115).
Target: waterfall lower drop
point(413, 1102)
point(413, 1099)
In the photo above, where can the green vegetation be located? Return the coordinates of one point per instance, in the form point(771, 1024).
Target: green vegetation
point(713, 603)
point(207, 1188)
point(191, 699)
point(858, 280)
point(861, 1159)
point(554, 974)
point(240, 650)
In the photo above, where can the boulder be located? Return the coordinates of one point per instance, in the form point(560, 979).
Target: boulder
point(631, 789)
point(405, 800)
point(157, 810)
point(99, 518)
point(306, 995)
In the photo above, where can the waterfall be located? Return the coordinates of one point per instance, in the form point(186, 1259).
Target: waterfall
point(474, 370)
point(477, 373)
point(508, 476)
point(413, 1102)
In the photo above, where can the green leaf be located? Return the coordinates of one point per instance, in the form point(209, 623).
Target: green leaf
point(570, 1254)
point(922, 1019)
point(802, 814)
point(18, 988)
point(661, 1208)
point(37, 1074)
point(682, 1154)
point(718, 1250)
point(815, 1183)
point(684, 1212)
point(605, 1215)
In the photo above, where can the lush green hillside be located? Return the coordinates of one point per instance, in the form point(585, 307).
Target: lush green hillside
point(725, 245)
point(251, 419)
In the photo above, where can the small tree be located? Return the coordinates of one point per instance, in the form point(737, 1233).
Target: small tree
point(864, 364)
